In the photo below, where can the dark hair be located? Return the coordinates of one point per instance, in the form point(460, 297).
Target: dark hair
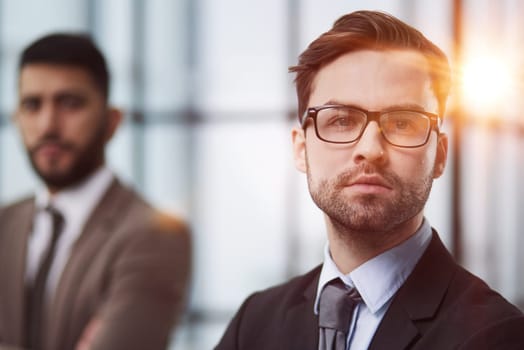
point(77, 50)
point(368, 30)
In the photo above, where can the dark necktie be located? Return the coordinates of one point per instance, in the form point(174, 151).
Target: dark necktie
point(36, 293)
point(335, 312)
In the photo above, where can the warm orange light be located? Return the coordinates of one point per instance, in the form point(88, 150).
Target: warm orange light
point(487, 84)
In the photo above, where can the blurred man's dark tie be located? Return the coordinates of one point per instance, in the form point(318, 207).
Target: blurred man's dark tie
point(36, 293)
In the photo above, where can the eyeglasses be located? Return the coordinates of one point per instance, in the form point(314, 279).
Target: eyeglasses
point(345, 124)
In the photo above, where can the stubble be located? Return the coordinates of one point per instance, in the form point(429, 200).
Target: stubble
point(360, 215)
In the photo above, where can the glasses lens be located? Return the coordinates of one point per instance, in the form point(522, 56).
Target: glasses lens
point(405, 128)
point(340, 124)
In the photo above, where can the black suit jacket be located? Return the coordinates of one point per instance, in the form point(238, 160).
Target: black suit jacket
point(440, 306)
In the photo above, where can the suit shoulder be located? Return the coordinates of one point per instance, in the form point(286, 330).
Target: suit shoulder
point(144, 215)
point(504, 334)
point(161, 239)
point(144, 225)
point(10, 208)
point(261, 315)
point(474, 308)
point(475, 294)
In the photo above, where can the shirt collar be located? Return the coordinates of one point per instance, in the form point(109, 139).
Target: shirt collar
point(77, 202)
point(393, 266)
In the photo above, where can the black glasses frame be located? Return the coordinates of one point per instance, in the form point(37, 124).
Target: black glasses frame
point(312, 113)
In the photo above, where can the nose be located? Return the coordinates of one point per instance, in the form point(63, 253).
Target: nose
point(370, 146)
point(48, 119)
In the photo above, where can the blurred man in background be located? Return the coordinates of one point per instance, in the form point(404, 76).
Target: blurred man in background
point(371, 95)
point(85, 263)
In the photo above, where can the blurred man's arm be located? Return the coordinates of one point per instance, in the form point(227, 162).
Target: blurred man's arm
point(147, 294)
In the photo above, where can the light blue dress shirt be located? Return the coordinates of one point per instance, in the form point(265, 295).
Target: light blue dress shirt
point(377, 281)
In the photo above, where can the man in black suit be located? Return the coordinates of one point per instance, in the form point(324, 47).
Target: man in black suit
point(372, 93)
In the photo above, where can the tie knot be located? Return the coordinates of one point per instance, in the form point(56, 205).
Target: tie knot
point(337, 303)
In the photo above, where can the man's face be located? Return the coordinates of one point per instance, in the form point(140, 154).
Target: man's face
point(370, 185)
point(64, 122)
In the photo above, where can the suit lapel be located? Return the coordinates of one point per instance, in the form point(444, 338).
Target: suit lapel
point(300, 329)
point(417, 300)
point(12, 270)
point(396, 331)
point(95, 233)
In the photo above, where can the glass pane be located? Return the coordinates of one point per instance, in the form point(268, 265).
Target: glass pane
point(239, 211)
point(241, 55)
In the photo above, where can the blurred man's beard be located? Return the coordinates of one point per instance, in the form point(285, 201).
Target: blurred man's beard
point(369, 213)
point(86, 161)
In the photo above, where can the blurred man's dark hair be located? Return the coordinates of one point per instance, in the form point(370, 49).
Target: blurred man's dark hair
point(73, 49)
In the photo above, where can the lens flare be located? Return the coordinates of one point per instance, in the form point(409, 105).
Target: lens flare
point(487, 84)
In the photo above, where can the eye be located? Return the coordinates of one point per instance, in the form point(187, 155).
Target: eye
point(30, 104)
point(406, 122)
point(71, 101)
point(402, 124)
point(342, 119)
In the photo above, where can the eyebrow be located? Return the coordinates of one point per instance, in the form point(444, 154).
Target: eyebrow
point(414, 106)
point(57, 94)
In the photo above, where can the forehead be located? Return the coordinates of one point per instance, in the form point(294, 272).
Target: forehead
point(375, 80)
point(49, 78)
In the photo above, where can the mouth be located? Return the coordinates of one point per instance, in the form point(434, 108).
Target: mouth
point(370, 184)
point(50, 149)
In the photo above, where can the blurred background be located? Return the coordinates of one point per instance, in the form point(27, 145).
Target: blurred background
point(209, 106)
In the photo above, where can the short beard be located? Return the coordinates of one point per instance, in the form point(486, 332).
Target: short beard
point(86, 161)
point(369, 214)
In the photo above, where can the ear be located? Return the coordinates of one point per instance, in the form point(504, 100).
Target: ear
point(442, 154)
point(114, 118)
point(299, 148)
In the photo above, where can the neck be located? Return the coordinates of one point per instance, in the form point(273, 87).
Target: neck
point(53, 190)
point(350, 249)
